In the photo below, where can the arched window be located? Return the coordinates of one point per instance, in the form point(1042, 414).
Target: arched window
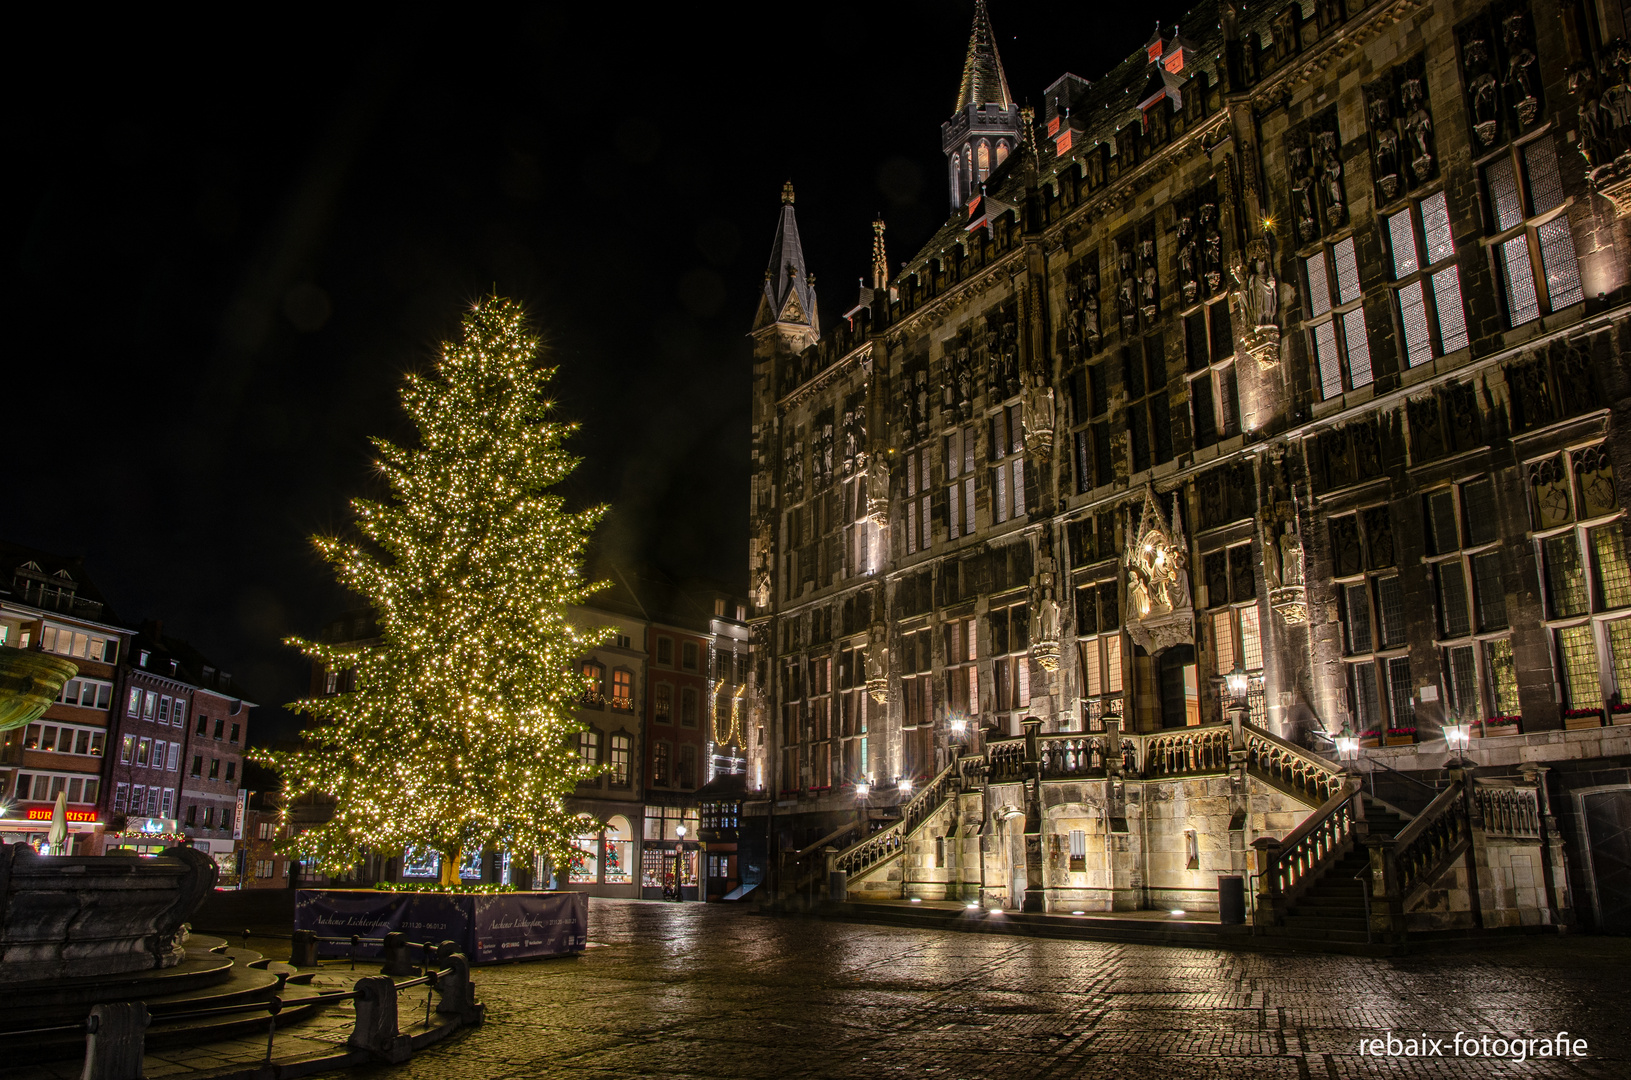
point(1002, 151)
point(957, 178)
point(983, 160)
point(589, 746)
point(617, 859)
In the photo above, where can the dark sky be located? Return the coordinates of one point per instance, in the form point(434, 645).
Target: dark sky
point(228, 240)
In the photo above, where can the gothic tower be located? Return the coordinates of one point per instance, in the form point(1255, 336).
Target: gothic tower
point(985, 127)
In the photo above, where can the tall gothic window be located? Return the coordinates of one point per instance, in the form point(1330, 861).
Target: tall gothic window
point(960, 482)
point(1534, 249)
point(962, 674)
point(1010, 649)
point(1336, 311)
point(1372, 607)
point(1429, 284)
point(1579, 531)
point(1209, 350)
point(1089, 415)
point(1470, 595)
point(1149, 424)
point(917, 501)
point(1098, 650)
point(1007, 464)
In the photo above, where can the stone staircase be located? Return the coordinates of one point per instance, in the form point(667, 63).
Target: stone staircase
point(213, 975)
point(1332, 909)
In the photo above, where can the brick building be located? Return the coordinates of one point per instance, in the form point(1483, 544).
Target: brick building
point(48, 604)
point(1274, 378)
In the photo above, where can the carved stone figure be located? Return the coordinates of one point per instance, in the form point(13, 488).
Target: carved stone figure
point(1302, 193)
point(1157, 567)
point(1037, 416)
point(1482, 86)
point(1045, 639)
point(877, 491)
point(1188, 252)
point(1127, 291)
point(1211, 247)
point(1520, 75)
point(1147, 279)
point(877, 662)
point(1386, 165)
point(1291, 558)
point(1332, 168)
point(1418, 124)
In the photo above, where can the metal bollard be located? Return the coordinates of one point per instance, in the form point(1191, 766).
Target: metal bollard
point(274, 1006)
point(116, 1036)
point(303, 951)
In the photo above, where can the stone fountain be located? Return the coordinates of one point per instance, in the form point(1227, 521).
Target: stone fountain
point(85, 917)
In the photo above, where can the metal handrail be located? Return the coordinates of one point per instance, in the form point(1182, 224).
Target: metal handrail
point(1374, 761)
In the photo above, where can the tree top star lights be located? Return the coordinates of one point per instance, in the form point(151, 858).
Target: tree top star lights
point(457, 733)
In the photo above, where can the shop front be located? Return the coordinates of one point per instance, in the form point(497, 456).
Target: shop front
point(145, 836)
point(671, 857)
point(603, 860)
point(32, 825)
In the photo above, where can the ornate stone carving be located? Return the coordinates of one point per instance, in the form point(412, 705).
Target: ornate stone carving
point(1045, 636)
point(1257, 304)
point(1315, 172)
point(877, 661)
point(854, 425)
point(1605, 124)
point(1520, 68)
point(1211, 247)
point(877, 491)
point(1482, 87)
point(1160, 612)
point(1148, 279)
point(1082, 333)
point(1126, 287)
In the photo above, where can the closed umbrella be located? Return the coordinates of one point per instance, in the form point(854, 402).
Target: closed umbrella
point(58, 833)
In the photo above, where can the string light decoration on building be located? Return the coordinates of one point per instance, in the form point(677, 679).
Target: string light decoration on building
point(457, 735)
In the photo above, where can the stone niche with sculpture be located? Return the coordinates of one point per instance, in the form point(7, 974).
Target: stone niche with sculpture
point(67, 917)
point(1160, 607)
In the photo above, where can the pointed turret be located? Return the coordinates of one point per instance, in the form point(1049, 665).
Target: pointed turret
point(983, 80)
point(789, 295)
point(985, 128)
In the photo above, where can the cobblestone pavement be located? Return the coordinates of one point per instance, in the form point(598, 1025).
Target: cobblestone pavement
point(686, 991)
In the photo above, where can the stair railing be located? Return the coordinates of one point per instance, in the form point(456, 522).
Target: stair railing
point(1426, 847)
point(1311, 778)
point(1187, 752)
point(1288, 866)
point(890, 841)
point(1509, 812)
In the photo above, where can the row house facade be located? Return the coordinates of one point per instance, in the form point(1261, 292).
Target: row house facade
point(175, 762)
point(49, 605)
point(1270, 387)
point(661, 713)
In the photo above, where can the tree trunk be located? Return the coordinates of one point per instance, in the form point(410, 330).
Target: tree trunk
point(451, 861)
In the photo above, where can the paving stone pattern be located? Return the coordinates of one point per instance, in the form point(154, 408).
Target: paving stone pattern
point(694, 991)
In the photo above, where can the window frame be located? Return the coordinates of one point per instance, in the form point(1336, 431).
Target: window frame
point(1424, 277)
point(1529, 224)
point(1335, 313)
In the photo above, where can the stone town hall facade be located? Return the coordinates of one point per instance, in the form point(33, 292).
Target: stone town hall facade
point(1268, 392)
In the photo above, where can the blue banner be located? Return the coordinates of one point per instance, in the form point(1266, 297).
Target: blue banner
point(516, 926)
point(487, 929)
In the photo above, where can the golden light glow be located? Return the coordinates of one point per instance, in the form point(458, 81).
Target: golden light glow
point(459, 733)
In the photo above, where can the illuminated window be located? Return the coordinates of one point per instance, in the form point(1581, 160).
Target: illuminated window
point(959, 448)
point(1431, 319)
point(1209, 349)
point(983, 160)
point(917, 502)
point(962, 673)
point(1007, 464)
point(594, 682)
point(1533, 246)
point(622, 757)
point(622, 689)
point(1340, 345)
point(589, 747)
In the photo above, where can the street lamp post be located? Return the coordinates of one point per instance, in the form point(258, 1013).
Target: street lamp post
point(679, 866)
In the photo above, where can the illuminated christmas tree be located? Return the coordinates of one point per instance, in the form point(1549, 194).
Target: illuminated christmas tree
point(458, 732)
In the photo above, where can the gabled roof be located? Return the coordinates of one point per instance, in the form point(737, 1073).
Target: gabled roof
point(983, 80)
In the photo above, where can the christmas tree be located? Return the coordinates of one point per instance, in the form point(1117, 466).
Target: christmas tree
point(457, 734)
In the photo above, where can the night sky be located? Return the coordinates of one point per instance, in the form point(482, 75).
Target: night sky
point(228, 240)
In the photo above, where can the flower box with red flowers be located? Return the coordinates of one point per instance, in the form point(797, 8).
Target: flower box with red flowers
point(1500, 725)
point(1619, 714)
point(1373, 737)
point(1580, 719)
point(1400, 736)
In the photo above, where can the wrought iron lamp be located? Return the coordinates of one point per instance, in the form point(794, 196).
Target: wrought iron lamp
point(1347, 743)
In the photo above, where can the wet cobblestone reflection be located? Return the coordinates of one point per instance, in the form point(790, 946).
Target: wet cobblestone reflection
point(691, 991)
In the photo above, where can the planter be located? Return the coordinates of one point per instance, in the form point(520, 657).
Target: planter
point(1401, 740)
point(1370, 741)
point(488, 928)
point(1592, 719)
point(1492, 731)
point(1620, 717)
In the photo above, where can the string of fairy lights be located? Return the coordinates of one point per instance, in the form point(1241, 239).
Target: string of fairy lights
point(456, 735)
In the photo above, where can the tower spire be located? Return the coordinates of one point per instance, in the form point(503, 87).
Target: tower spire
point(789, 292)
point(983, 80)
point(880, 261)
